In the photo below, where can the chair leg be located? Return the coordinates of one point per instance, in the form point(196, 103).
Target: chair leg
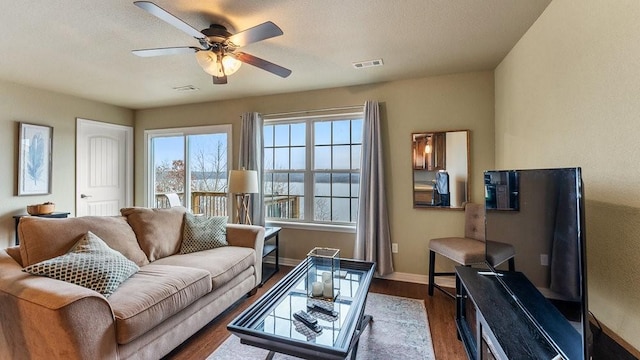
point(512, 264)
point(432, 267)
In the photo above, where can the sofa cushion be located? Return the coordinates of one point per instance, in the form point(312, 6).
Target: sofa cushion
point(154, 294)
point(159, 231)
point(223, 263)
point(90, 263)
point(203, 233)
point(46, 238)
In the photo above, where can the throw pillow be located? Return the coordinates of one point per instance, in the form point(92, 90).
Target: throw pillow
point(159, 231)
point(203, 233)
point(45, 238)
point(90, 263)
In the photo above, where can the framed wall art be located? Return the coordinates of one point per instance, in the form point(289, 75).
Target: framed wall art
point(34, 163)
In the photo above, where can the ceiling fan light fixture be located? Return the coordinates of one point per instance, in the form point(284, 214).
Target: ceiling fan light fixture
point(230, 64)
point(208, 62)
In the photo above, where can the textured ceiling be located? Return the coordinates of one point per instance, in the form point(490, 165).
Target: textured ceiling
point(83, 48)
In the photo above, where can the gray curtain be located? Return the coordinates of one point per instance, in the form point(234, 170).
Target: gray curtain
point(251, 158)
point(373, 240)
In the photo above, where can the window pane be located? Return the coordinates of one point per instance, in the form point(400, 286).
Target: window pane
point(268, 158)
point(356, 131)
point(341, 132)
point(168, 164)
point(281, 158)
point(296, 184)
point(340, 209)
point(208, 162)
point(322, 133)
point(282, 135)
point(341, 157)
point(298, 135)
point(355, 156)
point(322, 157)
point(322, 185)
point(322, 209)
point(354, 210)
point(340, 185)
point(298, 158)
point(355, 185)
point(268, 135)
point(208, 174)
point(283, 201)
point(268, 185)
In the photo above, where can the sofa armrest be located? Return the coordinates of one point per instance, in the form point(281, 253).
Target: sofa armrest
point(46, 318)
point(250, 236)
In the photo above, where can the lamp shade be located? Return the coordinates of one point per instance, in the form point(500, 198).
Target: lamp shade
point(243, 181)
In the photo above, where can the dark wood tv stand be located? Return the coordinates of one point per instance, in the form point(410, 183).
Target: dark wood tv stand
point(492, 325)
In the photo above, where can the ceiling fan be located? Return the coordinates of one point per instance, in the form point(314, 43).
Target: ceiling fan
point(218, 54)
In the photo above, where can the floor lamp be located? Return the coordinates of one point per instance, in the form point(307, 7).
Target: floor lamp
point(243, 183)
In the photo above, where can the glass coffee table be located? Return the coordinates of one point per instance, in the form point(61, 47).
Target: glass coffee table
point(269, 322)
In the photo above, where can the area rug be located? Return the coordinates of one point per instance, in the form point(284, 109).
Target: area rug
point(399, 330)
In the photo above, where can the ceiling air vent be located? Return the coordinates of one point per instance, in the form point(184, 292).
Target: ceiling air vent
point(186, 88)
point(367, 64)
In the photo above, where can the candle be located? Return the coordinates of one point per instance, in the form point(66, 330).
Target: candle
point(326, 276)
point(327, 290)
point(317, 288)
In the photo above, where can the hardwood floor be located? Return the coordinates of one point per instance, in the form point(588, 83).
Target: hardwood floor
point(440, 313)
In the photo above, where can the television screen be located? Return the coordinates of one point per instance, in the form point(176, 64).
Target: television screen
point(540, 214)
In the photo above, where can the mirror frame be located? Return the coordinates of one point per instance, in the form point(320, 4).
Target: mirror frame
point(434, 143)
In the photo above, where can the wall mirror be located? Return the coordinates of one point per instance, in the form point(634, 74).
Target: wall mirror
point(440, 169)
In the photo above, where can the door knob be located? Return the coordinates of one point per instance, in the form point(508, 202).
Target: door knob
point(83, 196)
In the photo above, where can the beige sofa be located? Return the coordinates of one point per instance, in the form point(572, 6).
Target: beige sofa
point(170, 298)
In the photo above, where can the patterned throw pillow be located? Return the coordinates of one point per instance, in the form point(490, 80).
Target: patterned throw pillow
point(90, 263)
point(203, 233)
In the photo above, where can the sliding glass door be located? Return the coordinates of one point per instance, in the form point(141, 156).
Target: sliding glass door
point(189, 166)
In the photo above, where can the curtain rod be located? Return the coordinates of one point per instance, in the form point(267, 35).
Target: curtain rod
point(305, 112)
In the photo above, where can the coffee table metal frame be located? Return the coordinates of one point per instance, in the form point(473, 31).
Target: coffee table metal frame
point(355, 322)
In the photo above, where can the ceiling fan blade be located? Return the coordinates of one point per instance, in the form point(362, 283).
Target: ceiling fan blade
point(165, 51)
point(166, 16)
point(262, 64)
point(220, 80)
point(257, 33)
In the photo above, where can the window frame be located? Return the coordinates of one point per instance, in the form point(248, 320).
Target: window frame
point(309, 119)
point(149, 174)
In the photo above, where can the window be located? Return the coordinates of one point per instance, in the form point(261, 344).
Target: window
point(312, 169)
point(192, 163)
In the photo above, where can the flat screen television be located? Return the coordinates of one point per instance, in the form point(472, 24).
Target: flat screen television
point(540, 212)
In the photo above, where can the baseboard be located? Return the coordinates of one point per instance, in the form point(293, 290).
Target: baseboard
point(624, 346)
point(449, 282)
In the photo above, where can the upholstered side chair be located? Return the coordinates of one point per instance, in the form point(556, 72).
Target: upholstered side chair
point(470, 249)
point(174, 199)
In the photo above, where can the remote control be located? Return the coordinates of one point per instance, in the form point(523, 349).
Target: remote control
point(308, 320)
point(323, 308)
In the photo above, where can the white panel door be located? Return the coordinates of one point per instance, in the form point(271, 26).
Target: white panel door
point(104, 171)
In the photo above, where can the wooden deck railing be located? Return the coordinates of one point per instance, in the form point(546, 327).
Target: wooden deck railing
point(208, 203)
point(215, 204)
point(282, 206)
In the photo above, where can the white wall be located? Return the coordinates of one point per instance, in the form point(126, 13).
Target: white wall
point(568, 94)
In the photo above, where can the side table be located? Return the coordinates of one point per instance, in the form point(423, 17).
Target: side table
point(271, 240)
point(52, 215)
